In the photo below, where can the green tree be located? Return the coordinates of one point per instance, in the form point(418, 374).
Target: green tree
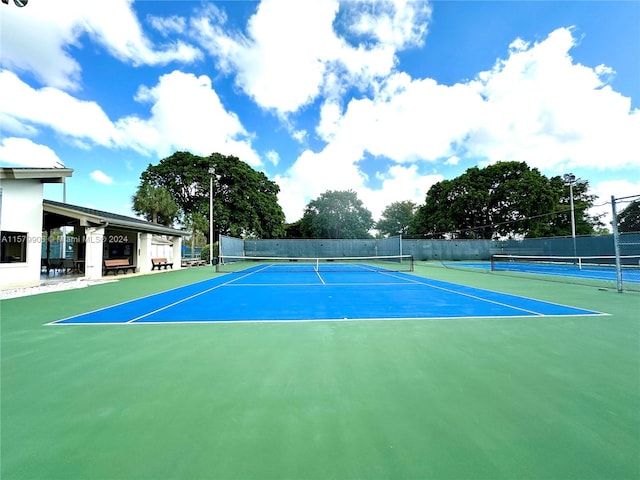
point(336, 214)
point(629, 218)
point(558, 223)
point(155, 203)
point(506, 199)
point(245, 200)
point(293, 230)
point(396, 218)
point(198, 225)
point(433, 219)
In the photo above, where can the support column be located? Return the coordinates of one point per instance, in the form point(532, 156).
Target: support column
point(93, 252)
point(144, 252)
point(177, 251)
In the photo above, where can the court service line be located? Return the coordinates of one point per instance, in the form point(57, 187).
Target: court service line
point(188, 298)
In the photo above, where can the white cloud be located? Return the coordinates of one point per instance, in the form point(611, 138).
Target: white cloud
point(543, 108)
point(337, 168)
point(299, 135)
point(273, 157)
point(334, 168)
point(60, 24)
point(400, 183)
point(284, 65)
point(400, 23)
point(185, 113)
point(23, 152)
point(536, 105)
point(168, 25)
point(29, 108)
point(281, 62)
point(101, 177)
point(408, 120)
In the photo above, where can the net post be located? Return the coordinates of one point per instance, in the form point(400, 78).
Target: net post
point(616, 243)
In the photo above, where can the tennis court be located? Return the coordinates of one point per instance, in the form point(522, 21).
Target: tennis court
point(508, 378)
point(337, 291)
point(598, 270)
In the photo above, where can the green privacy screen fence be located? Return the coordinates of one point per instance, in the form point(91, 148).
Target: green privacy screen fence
point(445, 250)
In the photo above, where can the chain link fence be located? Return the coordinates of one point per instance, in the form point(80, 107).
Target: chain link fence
point(626, 235)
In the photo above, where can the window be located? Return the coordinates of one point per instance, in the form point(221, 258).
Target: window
point(118, 250)
point(13, 247)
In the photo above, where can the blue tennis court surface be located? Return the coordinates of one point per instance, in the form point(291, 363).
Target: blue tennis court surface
point(263, 293)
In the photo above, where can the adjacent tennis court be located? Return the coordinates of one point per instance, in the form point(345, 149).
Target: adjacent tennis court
point(336, 290)
point(597, 269)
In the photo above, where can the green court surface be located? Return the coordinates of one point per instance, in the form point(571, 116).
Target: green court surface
point(491, 398)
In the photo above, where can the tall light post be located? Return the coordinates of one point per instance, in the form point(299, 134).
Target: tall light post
point(570, 179)
point(212, 172)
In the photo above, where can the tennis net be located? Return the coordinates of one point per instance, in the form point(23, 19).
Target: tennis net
point(389, 263)
point(602, 268)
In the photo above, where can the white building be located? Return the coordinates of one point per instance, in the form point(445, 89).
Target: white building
point(21, 191)
point(26, 221)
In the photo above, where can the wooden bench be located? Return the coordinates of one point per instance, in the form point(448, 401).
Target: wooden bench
point(160, 262)
point(118, 264)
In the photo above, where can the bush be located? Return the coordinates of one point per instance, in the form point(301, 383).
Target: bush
point(204, 254)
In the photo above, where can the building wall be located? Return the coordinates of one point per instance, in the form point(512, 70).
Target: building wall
point(22, 212)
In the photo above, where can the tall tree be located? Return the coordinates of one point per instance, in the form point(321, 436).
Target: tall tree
point(559, 223)
point(433, 219)
point(396, 218)
point(502, 200)
point(155, 203)
point(245, 200)
point(629, 218)
point(336, 214)
point(293, 230)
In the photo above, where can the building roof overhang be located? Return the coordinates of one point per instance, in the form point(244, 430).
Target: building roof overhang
point(89, 217)
point(44, 175)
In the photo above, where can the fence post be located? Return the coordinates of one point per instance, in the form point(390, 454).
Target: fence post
point(616, 243)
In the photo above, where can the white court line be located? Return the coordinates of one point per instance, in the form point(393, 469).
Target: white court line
point(188, 298)
point(55, 322)
point(475, 297)
point(499, 293)
point(348, 284)
point(343, 320)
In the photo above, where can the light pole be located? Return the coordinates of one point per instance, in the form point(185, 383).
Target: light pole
point(212, 172)
point(570, 179)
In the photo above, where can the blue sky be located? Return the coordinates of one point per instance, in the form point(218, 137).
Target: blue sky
point(385, 98)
